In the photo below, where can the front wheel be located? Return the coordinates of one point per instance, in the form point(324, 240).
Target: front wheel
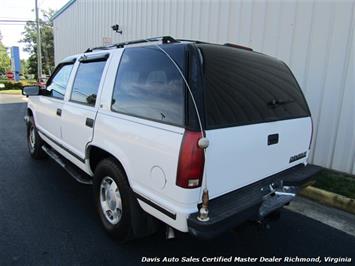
point(111, 192)
point(34, 141)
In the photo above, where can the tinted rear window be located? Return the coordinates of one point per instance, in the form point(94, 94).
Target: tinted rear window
point(244, 87)
point(148, 85)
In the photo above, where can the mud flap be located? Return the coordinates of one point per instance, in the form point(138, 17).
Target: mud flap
point(143, 224)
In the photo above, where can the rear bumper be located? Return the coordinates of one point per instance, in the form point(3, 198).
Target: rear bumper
point(252, 202)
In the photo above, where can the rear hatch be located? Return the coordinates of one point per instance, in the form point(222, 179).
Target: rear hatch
point(257, 119)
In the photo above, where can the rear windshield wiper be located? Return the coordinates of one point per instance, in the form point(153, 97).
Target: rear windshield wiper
point(276, 102)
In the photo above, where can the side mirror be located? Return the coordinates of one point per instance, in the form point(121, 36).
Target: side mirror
point(30, 90)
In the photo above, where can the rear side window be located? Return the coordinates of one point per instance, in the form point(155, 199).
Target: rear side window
point(244, 87)
point(87, 81)
point(149, 86)
point(59, 82)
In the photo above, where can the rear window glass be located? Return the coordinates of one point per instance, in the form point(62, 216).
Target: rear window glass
point(244, 87)
point(148, 85)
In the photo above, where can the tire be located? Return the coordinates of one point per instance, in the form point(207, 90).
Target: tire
point(34, 141)
point(107, 202)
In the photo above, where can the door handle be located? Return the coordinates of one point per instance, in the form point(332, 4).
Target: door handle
point(89, 122)
point(59, 112)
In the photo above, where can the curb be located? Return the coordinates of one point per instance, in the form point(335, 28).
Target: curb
point(329, 198)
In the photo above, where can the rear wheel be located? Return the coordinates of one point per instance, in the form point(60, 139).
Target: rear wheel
point(111, 192)
point(34, 141)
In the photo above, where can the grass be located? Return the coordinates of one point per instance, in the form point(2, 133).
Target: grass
point(337, 182)
point(17, 92)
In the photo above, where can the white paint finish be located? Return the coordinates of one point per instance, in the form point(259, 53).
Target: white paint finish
point(46, 118)
point(140, 144)
point(75, 134)
point(313, 37)
point(157, 177)
point(231, 156)
point(83, 166)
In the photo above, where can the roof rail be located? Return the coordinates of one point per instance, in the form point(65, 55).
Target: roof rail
point(163, 39)
point(238, 46)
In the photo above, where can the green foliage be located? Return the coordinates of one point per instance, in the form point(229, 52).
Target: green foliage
point(13, 85)
point(336, 182)
point(47, 47)
point(5, 62)
point(24, 67)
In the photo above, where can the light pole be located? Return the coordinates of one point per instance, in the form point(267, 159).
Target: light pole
point(39, 52)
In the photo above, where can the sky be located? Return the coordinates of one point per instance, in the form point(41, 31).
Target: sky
point(21, 9)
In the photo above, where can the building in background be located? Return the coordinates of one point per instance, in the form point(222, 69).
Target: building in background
point(315, 38)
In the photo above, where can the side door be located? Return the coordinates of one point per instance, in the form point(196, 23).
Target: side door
point(49, 106)
point(142, 120)
point(80, 108)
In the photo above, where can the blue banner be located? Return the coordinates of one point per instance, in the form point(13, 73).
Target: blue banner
point(15, 62)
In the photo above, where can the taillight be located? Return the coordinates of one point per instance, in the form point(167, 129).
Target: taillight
point(191, 161)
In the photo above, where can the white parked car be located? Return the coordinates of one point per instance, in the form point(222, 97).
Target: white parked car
point(124, 119)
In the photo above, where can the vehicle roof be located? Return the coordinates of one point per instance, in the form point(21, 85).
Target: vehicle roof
point(110, 50)
point(161, 41)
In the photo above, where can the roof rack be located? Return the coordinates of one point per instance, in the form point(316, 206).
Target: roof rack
point(163, 39)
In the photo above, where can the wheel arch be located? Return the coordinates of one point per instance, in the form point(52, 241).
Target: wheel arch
point(142, 224)
point(29, 112)
point(96, 154)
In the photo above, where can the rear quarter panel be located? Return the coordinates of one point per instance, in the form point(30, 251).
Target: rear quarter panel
point(148, 152)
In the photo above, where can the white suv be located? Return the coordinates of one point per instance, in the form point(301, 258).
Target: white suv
point(134, 119)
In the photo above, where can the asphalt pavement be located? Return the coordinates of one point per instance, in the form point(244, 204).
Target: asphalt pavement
point(47, 218)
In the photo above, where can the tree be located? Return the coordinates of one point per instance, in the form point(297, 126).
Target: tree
point(24, 67)
point(5, 61)
point(47, 46)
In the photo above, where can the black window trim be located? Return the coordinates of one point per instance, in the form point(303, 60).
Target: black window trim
point(183, 125)
point(94, 58)
point(89, 59)
point(55, 72)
